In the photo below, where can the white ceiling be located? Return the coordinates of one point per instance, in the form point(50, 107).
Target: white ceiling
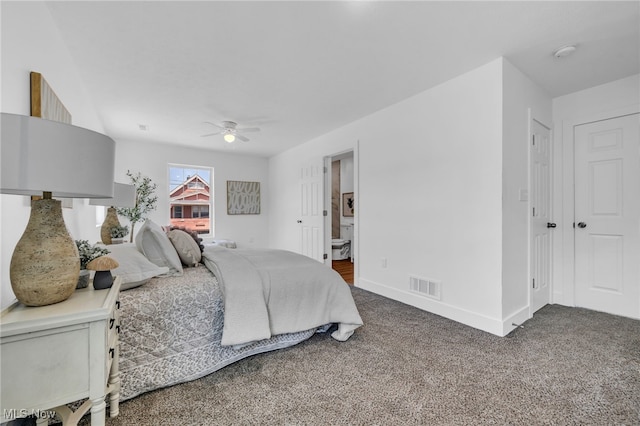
point(301, 69)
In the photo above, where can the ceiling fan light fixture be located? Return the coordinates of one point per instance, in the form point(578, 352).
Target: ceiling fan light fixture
point(230, 133)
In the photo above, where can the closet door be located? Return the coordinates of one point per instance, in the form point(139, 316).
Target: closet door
point(607, 215)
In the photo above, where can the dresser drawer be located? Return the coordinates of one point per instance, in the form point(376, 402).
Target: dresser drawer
point(58, 355)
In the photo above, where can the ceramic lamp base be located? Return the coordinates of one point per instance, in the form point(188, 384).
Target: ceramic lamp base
point(45, 264)
point(110, 221)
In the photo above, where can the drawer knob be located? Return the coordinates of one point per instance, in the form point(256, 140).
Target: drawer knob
point(111, 322)
point(112, 352)
point(117, 304)
point(118, 328)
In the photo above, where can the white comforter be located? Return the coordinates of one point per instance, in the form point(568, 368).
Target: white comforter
point(268, 292)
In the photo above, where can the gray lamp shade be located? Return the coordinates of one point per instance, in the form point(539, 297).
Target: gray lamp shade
point(39, 155)
point(52, 159)
point(123, 196)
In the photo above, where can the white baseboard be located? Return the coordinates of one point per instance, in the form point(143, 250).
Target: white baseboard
point(473, 319)
point(519, 317)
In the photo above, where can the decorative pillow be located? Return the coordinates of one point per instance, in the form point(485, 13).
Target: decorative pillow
point(186, 247)
point(134, 268)
point(193, 234)
point(152, 241)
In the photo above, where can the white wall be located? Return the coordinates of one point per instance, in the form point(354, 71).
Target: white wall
point(429, 195)
point(520, 95)
point(439, 178)
point(442, 173)
point(598, 102)
point(38, 47)
point(152, 159)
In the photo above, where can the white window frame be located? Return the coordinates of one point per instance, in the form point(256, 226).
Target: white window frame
point(210, 170)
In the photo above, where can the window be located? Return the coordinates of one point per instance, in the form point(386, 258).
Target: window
point(200, 211)
point(191, 197)
point(177, 212)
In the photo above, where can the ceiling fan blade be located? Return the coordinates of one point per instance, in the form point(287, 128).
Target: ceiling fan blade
point(249, 129)
point(210, 134)
point(214, 124)
point(242, 138)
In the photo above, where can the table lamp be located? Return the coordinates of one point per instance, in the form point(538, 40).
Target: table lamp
point(51, 159)
point(123, 196)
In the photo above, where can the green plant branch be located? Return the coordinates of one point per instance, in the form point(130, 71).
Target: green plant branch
point(146, 200)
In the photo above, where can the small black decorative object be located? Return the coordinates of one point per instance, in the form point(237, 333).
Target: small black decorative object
point(103, 266)
point(102, 280)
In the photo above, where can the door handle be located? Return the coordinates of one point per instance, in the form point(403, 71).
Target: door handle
point(582, 225)
point(551, 225)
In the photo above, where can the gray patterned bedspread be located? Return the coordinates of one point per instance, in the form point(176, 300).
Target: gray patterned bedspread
point(171, 330)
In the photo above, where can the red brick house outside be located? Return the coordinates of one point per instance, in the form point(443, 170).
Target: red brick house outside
point(189, 204)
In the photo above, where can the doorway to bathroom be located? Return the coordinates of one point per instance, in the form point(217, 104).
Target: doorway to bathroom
point(341, 215)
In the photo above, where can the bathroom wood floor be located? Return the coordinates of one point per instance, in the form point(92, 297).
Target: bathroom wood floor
point(345, 269)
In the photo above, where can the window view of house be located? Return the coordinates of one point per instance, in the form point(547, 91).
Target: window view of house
point(191, 198)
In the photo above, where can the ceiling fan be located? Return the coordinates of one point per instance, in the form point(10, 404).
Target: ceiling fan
point(230, 132)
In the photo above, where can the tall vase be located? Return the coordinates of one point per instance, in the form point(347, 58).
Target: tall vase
point(110, 221)
point(45, 264)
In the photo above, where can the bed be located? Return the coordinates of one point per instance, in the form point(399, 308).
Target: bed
point(183, 324)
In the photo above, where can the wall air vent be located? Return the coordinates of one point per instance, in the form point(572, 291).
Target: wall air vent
point(425, 287)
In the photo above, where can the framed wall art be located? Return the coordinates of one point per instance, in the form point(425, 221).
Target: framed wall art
point(348, 204)
point(243, 197)
point(46, 104)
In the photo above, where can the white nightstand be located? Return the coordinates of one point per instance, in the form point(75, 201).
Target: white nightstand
point(56, 354)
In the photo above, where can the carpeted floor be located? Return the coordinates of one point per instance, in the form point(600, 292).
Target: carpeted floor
point(568, 366)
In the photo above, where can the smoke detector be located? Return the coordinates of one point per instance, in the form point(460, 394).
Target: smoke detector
point(565, 51)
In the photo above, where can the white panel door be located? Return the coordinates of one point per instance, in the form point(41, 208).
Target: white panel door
point(540, 225)
point(607, 215)
point(311, 217)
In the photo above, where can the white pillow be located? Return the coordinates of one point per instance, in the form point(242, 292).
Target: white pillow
point(133, 268)
point(186, 247)
point(153, 242)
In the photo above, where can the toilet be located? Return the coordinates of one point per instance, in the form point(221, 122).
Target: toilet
point(340, 249)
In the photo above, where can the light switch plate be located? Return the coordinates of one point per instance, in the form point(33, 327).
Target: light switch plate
point(524, 195)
